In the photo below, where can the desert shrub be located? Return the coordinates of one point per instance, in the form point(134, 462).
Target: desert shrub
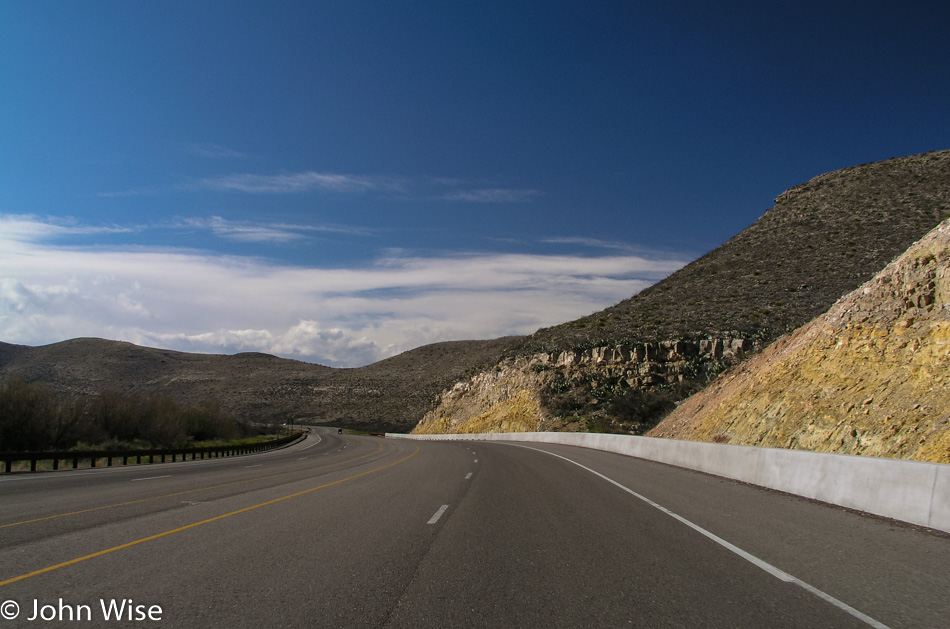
point(33, 417)
point(208, 421)
point(26, 421)
point(640, 410)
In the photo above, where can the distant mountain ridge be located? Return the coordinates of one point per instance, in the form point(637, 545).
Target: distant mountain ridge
point(392, 394)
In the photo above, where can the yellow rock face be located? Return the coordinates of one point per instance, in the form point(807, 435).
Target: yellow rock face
point(870, 377)
point(501, 401)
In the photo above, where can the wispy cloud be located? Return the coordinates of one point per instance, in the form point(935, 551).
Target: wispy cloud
point(291, 183)
point(242, 232)
point(210, 150)
point(594, 243)
point(132, 192)
point(29, 227)
point(198, 301)
point(262, 232)
point(252, 233)
point(493, 195)
point(432, 188)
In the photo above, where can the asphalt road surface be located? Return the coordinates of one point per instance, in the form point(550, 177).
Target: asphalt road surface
point(356, 531)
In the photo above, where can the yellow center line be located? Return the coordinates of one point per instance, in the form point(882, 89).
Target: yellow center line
point(189, 491)
point(194, 524)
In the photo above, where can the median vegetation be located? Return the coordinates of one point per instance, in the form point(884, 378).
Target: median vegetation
point(33, 417)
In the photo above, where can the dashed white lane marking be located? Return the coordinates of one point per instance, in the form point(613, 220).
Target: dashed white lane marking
point(468, 476)
point(258, 465)
point(764, 565)
point(150, 478)
point(476, 460)
point(438, 514)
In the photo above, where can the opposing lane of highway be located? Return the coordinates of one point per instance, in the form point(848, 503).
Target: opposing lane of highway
point(360, 531)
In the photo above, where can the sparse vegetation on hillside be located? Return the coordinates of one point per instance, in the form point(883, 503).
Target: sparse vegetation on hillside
point(822, 239)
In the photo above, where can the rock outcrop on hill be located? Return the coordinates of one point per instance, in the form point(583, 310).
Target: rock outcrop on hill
point(869, 377)
point(514, 395)
point(621, 369)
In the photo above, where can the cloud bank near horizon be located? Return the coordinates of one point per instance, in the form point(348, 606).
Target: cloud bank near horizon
point(203, 301)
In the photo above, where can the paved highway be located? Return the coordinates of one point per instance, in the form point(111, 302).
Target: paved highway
point(354, 531)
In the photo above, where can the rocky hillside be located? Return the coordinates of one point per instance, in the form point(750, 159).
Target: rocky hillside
point(621, 369)
point(869, 377)
point(390, 395)
point(821, 240)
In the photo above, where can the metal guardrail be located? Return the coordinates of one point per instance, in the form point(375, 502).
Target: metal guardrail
point(7, 459)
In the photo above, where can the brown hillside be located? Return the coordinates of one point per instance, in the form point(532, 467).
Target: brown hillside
point(392, 394)
point(870, 377)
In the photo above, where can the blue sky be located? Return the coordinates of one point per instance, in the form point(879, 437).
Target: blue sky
point(341, 181)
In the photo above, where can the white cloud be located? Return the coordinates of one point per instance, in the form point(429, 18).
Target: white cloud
point(131, 192)
point(493, 195)
point(210, 150)
point(27, 227)
point(290, 183)
point(245, 232)
point(195, 301)
point(590, 242)
point(257, 232)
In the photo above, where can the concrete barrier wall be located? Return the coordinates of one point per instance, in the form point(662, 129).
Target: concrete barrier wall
point(909, 491)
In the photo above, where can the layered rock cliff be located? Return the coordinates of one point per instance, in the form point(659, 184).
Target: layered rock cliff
point(540, 392)
point(869, 377)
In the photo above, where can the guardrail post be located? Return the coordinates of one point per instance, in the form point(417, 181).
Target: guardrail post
point(7, 459)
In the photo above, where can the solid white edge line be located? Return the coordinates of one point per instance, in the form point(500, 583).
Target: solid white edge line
point(149, 478)
point(764, 565)
point(319, 439)
point(438, 514)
